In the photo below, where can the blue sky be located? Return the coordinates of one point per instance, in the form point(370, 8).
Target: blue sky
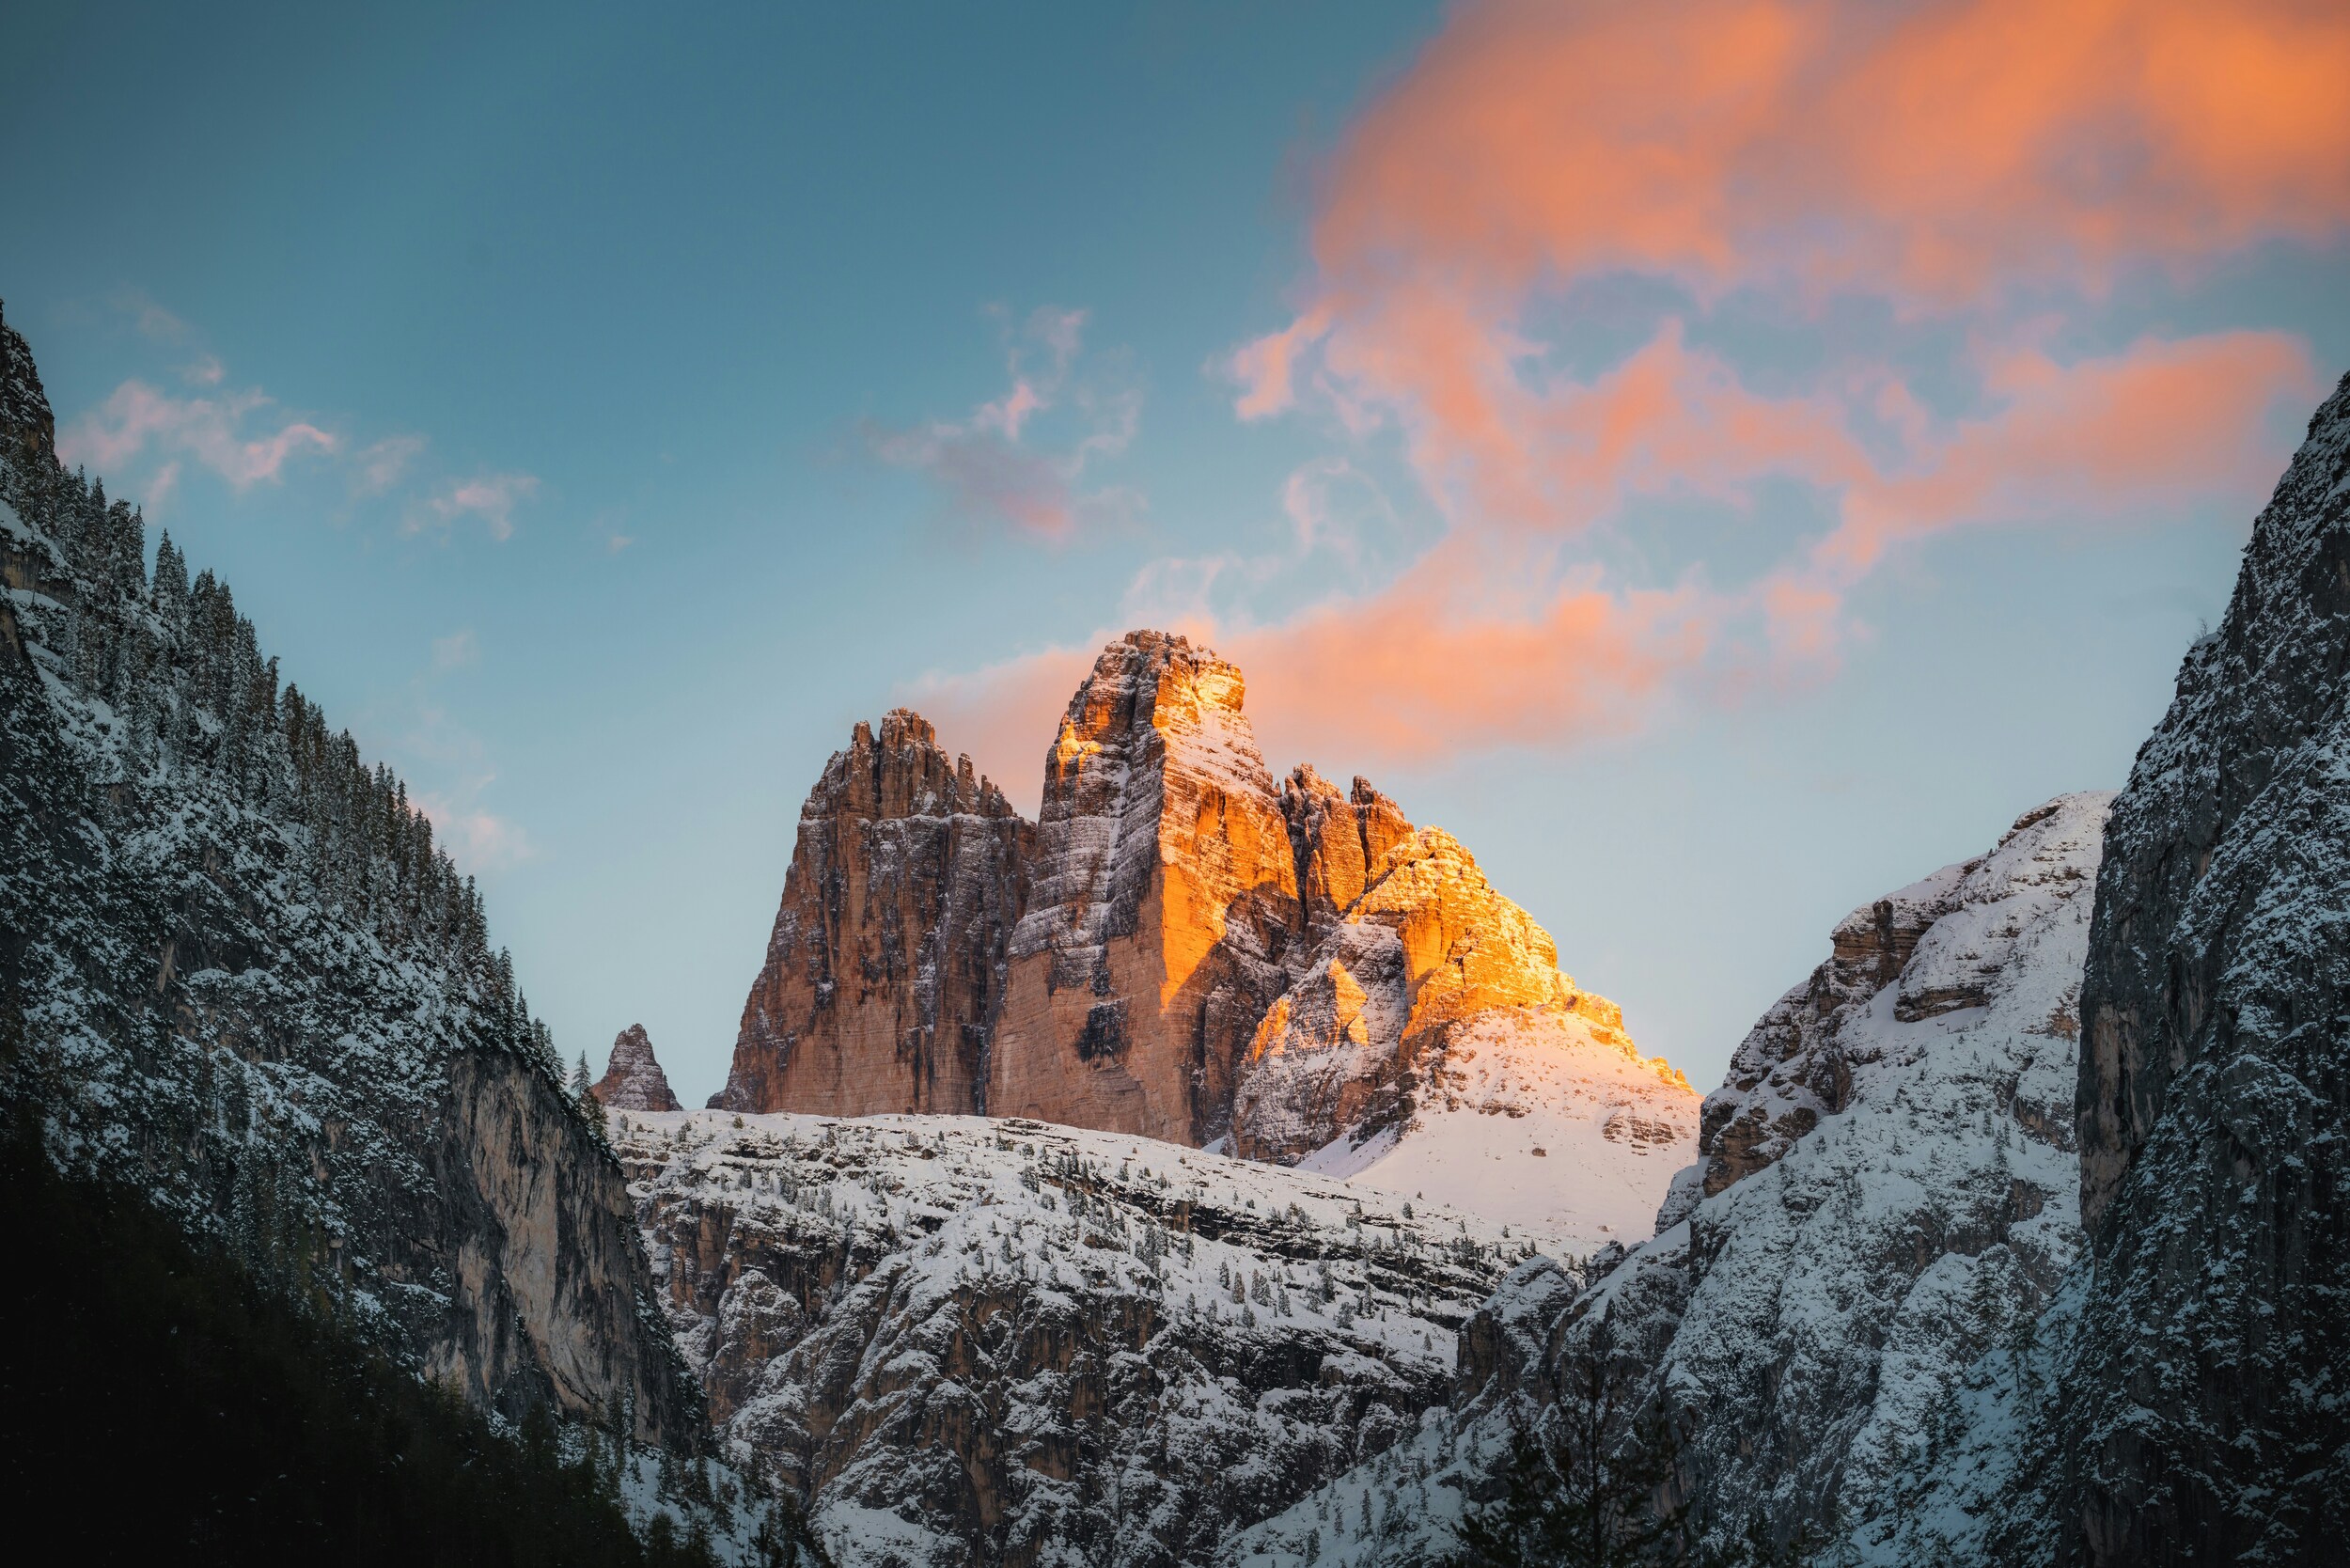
point(600, 411)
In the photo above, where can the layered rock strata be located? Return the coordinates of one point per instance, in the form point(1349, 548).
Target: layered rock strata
point(633, 1080)
point(885, 973)
point(1163, 907)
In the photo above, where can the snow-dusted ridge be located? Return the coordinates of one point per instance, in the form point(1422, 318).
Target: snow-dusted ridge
point(1821, 1321)
point(967, 1340)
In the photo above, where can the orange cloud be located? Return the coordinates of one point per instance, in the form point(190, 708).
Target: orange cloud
point(1934, 149)
point(1979, 173)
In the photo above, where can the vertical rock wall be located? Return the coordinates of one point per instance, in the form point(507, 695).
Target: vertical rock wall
point(885, 969)
point(2204, 1410)
point(1164, 901)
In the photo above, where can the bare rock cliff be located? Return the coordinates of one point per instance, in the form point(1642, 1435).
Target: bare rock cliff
point(633, 1080)
point(886, 970)
point(2203, 1405)
point(1165, 900)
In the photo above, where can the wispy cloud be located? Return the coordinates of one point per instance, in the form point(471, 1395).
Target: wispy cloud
point(381, 464)
point(454, 652)
point(218, 432)
point(491, 498)
point(996, 466)
point(478, 839)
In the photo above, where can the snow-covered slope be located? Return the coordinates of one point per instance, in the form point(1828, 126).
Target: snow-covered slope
point(974, 1341)
point(1812, 1321)
point(1536, 1118)
point(236, 973)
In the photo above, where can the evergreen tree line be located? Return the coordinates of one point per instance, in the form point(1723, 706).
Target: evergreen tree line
point(1592, 1481)
point(158, 1403)
point(188, 697)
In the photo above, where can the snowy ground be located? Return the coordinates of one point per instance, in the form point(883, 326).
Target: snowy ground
point(960, 1336)
point(1535, 1124)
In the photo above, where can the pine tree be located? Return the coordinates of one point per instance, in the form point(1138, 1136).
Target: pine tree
point(1586, 1481)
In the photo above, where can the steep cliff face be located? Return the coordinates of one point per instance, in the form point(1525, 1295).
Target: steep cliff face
point(1163, 905)
point(1819, 1323)
point(2205, 1406)
point(1431, 1046)
point(886, 970)
point(633, 1080)
point(235, 973)
point(971, 1341)
point(1177, 949)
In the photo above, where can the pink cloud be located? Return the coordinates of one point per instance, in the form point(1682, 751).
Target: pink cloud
point(478, 839)
point(137, 416)
point(491, 498)
point(1992, 165)
point(990, 467)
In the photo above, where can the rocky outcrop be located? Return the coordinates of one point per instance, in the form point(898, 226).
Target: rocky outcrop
point(236, 975)
point(968, 1341)
point(1163, 905)
point(2203, 1389)
point(1431, 1015)
point(1179, 950)
point(633, 1080)
point(886, 970)
point(1793, 1067)
point(1819, 1326)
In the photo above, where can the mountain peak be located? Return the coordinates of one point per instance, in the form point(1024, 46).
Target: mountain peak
point(633, 1080)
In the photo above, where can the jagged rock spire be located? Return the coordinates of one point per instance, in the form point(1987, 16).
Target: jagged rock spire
point(633, 1080)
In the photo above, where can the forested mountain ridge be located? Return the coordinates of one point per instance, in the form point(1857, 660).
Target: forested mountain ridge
point(237, 974)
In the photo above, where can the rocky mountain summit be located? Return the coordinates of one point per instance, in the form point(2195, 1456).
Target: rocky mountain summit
point(633, 1080)
point(994, 1340)
point(1180, 949)
point(885, 971)
point(1164, 903)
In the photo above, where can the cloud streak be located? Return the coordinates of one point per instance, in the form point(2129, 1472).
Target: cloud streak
point(488, 497)
point(138, 417)
point(992, 470)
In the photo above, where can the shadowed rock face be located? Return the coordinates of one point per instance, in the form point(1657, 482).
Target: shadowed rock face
point(294, 1041)
point(633, 1080)
point(885, 972)
point(1164, 903)
point(1793, 1068)
point(2206, 1415)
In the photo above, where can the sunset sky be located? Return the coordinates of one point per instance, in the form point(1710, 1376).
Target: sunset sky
point(1722, 460)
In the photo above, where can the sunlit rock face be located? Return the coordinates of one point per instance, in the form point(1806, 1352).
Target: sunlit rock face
point(1164, 903)
point(884, 971)
point(1181, 951)
point(1431, 1046)
point(633, 1080)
